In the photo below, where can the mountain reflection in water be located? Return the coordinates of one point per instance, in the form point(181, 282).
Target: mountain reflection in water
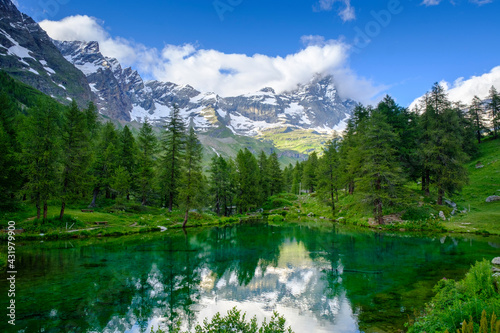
point(321, 278)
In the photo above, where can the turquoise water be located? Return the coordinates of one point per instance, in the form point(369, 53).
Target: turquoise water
point(321, 278)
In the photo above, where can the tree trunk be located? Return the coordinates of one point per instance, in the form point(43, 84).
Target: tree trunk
point(63, 206)
point(440, 196)
point(332, 198)
point(143, 201)
point(94, 197)
point(38, 211)
point(185, 218)
point(423, 181)
point(379, 217)
point(108, 195)
point(128, 196)
point(427, 182)
point(45, 211)
point(170, 201)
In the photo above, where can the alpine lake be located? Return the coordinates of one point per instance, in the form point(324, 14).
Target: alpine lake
point(320, 277)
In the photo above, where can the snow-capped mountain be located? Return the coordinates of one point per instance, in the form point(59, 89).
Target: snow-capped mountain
point(122, 94)
point(28, 54)
point(77, 70)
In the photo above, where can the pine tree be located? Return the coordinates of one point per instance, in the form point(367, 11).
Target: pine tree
point(494, 109)
point(105, 161)
point(75, 151)
point(127, 156)
point(40, 153)
point(476, 113)
point(264, 177)
point(247, 171)
point(10, 179)
point(275, 174)
point(173, 149)
point(120, 183)
point(309, 177)
point(442, 145)
point(288, 178)
point(297, 178)
point(381, 175)
point(192, 180)
point(329, 171)
point(147, 147)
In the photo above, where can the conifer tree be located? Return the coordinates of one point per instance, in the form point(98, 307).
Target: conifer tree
point(494, 109)
point(309, 177)
point(147, 144)
point(40, 153)
point(247, 171)
point(127, 156)
point(105, 161)
point(381, 175)
point(442, 148)
point(264, 177)
point(120, 183)
point(476, 113)
point(329, 171)
point(275, 174)
point(74, 157)
point(192, 181)
point(10, 179)
point(173, 149)
point(297, 178)
point(288, 178)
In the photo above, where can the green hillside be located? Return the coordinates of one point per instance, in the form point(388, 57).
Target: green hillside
point(483, 182)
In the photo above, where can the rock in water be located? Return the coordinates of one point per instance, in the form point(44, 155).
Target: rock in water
point(441, 215)
point(493, 198)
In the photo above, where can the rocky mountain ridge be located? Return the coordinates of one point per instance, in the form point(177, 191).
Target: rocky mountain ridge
point(123, 94)
point(28, 54)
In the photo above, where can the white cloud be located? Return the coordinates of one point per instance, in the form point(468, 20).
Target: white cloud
point(431, 2)
point(437, 2)
point(222, 73)
point(464, 90)
point(347, 13)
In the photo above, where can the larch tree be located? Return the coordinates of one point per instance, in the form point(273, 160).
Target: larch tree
point(192, 180)
point(275, 174)
point(104, 162)
point(147, 145)
point(247, 171)
point(381, 176)
point(494, 110)
point(41, 144)
point(127, 156)
point(329, 171)
point(75, 154)
point(477, 116)
point(309, 177)
point(172, 145)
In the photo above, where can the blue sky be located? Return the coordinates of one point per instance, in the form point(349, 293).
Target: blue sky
point(413, 43)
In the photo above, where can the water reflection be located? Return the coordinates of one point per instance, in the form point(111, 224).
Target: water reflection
point(321, 279)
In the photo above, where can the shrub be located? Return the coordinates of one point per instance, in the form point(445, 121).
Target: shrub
point(235, 322)
point(456, 302)
point(275, 218)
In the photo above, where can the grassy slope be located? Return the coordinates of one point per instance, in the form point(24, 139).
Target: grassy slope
point(483, 183)
point(483, 217)
point(302, 141)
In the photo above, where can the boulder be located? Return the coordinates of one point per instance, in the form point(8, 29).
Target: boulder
point(496, 261)
point(493, 198)
point(441, 215)
point(450, 203)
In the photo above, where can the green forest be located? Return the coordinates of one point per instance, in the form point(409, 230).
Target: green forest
point(55, 155)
